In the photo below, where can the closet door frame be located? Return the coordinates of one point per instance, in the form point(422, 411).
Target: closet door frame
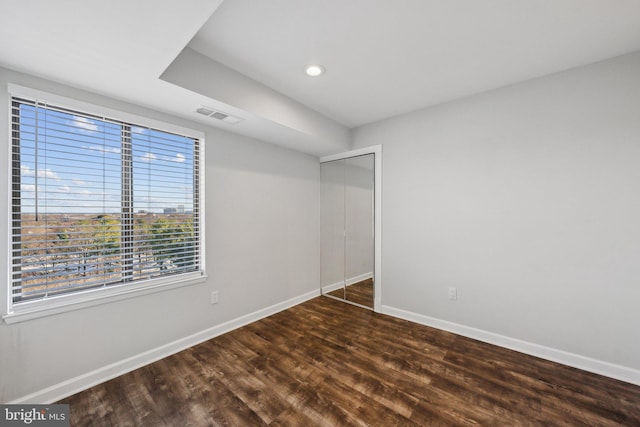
point(376, 150)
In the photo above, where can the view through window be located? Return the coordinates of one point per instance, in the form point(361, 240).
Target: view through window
point(98, 202)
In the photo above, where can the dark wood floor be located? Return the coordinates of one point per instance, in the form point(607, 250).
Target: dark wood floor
point(328, 363)
point(360, 293)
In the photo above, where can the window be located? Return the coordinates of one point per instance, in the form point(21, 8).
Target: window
point(99, 203)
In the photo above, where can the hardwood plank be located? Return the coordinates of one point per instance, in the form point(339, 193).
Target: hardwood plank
point(326, 363)
point(360, 293)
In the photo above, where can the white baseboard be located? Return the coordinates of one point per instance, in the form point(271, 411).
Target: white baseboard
point(359, 278)
point(350, 281)
point(74, 385)
point(600, 367)
point(332, 287)
point(82, 382)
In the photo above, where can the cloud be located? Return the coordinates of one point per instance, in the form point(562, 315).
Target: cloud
point(138, 130)
point(178, 158)
point(102, 149)
point(42, 173)
point(78, 182)
point(64, 189)
point(84, 124)
point(147, 157)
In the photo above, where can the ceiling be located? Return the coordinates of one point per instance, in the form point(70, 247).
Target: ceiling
point(246, 57)
point(384, 58)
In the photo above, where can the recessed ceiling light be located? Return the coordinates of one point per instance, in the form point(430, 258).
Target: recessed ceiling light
point(314, 70)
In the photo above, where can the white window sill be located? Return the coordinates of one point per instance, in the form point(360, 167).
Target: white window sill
point(70, 302)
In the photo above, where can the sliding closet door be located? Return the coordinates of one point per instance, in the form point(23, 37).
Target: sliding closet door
point(347, 234)
point(332, 214)
point(359, 227)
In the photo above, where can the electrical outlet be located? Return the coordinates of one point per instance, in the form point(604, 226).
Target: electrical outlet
point(214, 297)
point(453, 293)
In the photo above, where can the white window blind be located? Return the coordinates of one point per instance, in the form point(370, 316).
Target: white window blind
point(98, 202)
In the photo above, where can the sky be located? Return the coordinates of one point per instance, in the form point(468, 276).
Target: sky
point(76, 163)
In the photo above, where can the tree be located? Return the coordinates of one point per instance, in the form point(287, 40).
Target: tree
point(106, 241)
point(172, 243)
point(95, 241)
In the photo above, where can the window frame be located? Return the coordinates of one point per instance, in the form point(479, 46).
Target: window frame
point(27, 310)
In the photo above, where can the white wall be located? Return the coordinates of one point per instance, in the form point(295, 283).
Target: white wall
point(262, 237)
point(527, 199)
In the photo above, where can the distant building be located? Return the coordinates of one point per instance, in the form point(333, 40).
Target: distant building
point(169, 210)
point(180, 209)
